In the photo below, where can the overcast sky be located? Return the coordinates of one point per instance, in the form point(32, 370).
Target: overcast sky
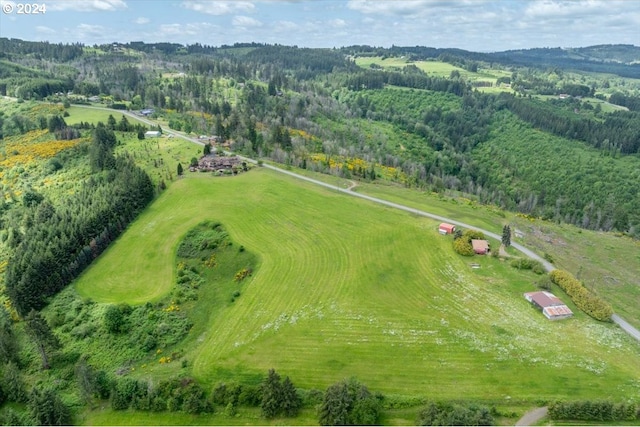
point(478, 25)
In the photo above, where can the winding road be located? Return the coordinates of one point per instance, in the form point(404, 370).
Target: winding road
point(624, 325)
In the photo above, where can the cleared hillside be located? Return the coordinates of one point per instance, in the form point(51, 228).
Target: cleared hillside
point(345, 288)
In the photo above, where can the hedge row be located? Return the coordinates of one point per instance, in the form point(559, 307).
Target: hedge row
point(591, 304)
point(601, 410)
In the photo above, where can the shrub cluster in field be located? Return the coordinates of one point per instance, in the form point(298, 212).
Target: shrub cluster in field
point(131, 332)
point(462, 241)
point(528, 264)
point(600, 410)
point(205, 237)
point(146, 326)
point(591, 304)
point(188, 282)
point(178, 394)
point(454, 414)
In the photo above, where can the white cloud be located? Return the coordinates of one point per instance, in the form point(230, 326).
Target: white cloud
point(338, 23)
point(218, 7)
point(86, 5)
point(142, 20)
point(88, 29)
point(285, 26)
point(191, 29)
point(245, 22)
point(408, 7)
point(44, 30)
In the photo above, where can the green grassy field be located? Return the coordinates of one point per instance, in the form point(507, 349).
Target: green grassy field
point(346, 288)
point(439, 69)
point(79, 114)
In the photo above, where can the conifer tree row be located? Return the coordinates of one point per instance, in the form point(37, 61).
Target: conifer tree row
point(63, 240)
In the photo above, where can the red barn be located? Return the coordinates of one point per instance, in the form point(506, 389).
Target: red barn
point(445, 228)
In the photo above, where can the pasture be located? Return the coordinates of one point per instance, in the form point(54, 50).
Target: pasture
point(439, 69)
point(78, 113)
point(345, 288)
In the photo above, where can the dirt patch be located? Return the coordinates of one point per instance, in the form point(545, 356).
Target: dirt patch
point(547, 236)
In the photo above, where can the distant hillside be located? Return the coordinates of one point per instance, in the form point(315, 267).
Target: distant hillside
point(623, 53)
point(623, 60)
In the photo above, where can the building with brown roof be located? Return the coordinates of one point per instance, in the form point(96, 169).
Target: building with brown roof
point(552, 307)
point(480, 247)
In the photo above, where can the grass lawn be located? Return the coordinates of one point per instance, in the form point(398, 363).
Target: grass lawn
point(245, 416)
point(78, 113)
point(347, 288)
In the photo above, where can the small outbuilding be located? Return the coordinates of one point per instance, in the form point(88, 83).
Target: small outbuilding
point(152, 134)
point(552, 307)
point(445, 228)
point(480, 247)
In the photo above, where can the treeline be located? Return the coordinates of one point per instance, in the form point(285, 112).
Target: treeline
point(598, 410)
point(631, 102)
point(377, 79)
point(41, 88)
point(61, 241)
point(619, 131)
point(41, 50)
point(304, 62)
point(591, 304)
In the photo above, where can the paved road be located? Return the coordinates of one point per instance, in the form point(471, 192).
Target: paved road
point(533, 416)
point(547, 265)
point(626, 326)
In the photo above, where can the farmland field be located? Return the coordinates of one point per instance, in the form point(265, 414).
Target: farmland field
point(347, 288)
point(439, 69)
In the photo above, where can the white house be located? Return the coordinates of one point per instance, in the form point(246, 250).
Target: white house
point(152, 134)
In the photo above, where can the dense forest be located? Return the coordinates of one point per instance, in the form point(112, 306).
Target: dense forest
point(559, 139)
point(291, 104)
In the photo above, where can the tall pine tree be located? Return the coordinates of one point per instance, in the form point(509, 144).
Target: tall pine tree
point(271, 395)
point(506, 236)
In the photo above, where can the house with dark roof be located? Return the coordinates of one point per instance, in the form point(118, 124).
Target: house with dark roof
point(552, 307)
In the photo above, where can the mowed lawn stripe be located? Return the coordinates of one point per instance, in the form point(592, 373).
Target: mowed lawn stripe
point(347, 288)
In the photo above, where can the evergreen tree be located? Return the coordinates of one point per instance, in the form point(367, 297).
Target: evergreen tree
point(206, 149)
point(140, 134)
point(42, 336)
point(349, 403)
point(271, 404)
point(180, 169)
point(335, 406)
point(291, 402)
point(8, 343)
point(47, 409)
point(111, 122)
point(12, 383)
point(506, 236)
